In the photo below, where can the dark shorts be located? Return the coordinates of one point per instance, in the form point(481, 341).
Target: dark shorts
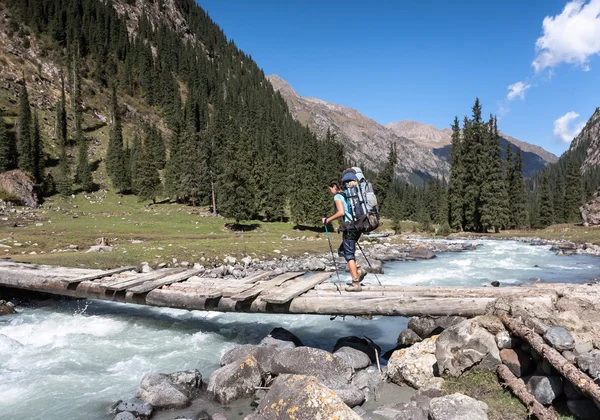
point(348, 246)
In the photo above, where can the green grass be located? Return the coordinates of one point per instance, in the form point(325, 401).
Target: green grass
point(485, 387)
point(167, 230)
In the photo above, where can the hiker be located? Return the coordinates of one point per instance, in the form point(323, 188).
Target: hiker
point(350, 235)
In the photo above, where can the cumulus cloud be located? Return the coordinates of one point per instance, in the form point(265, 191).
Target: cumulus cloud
point(563, 129)
point(571, 37)
point(517, 90)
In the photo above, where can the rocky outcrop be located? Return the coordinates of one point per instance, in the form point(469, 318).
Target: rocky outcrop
point(415, 365)
point(589, 139)
point(262, 354)
point(235, 380)
point(20, 185)
point(301, 398)
point(590, 211)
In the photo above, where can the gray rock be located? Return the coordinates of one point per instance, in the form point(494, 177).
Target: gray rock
point(590, 363)
point(100, 248)
point(545, 389)
point(290, 392)
point(410, 410)
point(376, 266)
point(407, 338)
point(427, 326)
point(361, 344)
point(125, 415)
point(135, 406)
point(187, 379)
point(559, 338)
point(157, 390)
point(457, 407)
point(218, 416)
point(281, 338)
point(355, 358)
point(466, 346)
point(331, 370)
point(584, 409)
point(415, 365)
point(369, 381)
point(422, 253)
point(518, 361)
point(351, 395)
point(571, 391)
point(235, 380)
point(569, 355)
point(583, 346)
point(505, 341)
point(314, 264)
point(262, 354)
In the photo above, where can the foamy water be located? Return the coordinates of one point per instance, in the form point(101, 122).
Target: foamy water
point(78, 357)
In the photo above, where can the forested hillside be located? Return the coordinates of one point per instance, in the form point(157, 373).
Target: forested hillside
point(199, 115)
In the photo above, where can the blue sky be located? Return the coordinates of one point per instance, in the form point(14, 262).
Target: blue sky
point(428, 60)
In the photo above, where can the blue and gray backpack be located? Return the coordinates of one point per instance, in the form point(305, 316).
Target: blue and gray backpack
point(361, 199)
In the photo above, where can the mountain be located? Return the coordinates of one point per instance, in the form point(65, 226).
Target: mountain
point(432, 137)
point(366, 142)
point(588, 143)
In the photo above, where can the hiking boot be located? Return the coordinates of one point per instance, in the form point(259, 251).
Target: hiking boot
point(355, 287)
point(362, 273)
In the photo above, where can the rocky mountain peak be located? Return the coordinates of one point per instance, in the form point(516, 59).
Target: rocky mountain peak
point(589, 138)
point(282, 86)
point(424, 134)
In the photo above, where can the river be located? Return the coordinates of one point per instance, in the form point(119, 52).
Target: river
point(79, 357)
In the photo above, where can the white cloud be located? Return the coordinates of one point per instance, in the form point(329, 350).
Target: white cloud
point(517, 90)
point(571, 37)
point(562, 127)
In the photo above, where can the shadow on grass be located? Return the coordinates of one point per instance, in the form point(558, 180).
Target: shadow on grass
point(318, 229)
point(241, 227)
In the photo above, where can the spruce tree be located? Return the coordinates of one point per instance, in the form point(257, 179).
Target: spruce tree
point(559, 198)
point(136, 160)
point(63, 181)
point(546, 207)
point(115, 156)
point(7, 147)
point(384, 179)
point(518, 194)
point(456, 184)
point(148, 178)
point(37, 151)
point(574, 193)
point(24, 149)
point(61, 117)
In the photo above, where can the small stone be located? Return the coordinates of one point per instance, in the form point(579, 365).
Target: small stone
point(276, 251)
point(583, 347)
point(517, 361)
point(506, 341)
point(146, 267)
point(125, 415)
point(590, 363)
point(162, 265)
point(135, 406)
point(545, 389)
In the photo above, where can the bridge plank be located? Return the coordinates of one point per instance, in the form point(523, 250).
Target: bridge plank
point(153, 284)
point(244, 284)
point(98, 276)
point(262, 287)
point(291, 290)
point(137, 280)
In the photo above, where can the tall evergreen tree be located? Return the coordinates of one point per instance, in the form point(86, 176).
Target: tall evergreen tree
point(24, 149)
point(384, 179)
point(148, 178)
point(546, 207)
point(115, 156)
point(7, 147)
point(61, 117)
point(518, 194)
point(136, 160)
point(456, 184)
point(37, 150)
point(63, 181)
point(559, 199)
point(574, 193)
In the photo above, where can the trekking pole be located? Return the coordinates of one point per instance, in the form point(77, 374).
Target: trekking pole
point(333, 258)
point(368, 262)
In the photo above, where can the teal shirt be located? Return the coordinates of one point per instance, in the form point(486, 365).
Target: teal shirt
point(347, 212)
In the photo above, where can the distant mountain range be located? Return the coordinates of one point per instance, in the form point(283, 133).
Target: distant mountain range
point(423, 149)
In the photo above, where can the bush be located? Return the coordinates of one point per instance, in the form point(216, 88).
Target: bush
point(396, 227)
point(444, 229)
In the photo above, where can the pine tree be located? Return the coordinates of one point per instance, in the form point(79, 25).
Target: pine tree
point(136, 160)
point(61, 117)
point(456, 184)
point(574, 193)
point(384, 179)
point(24, 149)
point(494, 198)
point(546, 208)
point(559, 199)
point(148, 178)
point(63, 182)
point(518, 194)
point(7, 147)
point(37, 151)
point(115, 157)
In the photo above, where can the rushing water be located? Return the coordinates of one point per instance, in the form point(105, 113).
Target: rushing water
point(76, 358)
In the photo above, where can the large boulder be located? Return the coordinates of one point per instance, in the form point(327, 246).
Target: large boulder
point(466, 346)
point(351, 395)
point(363, 345)
point(281, 338)
point(331, 370)
point(20, 185)
point(422, 253)
point(262, 354)
point(428, 326)
point(301, 398)
point(590, 211)
point(355, 358)
point(169, 391)
point(235, 380)
point(414, 365)
point(457, 407)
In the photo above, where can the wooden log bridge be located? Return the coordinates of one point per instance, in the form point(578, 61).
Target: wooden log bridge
point(267, 292)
